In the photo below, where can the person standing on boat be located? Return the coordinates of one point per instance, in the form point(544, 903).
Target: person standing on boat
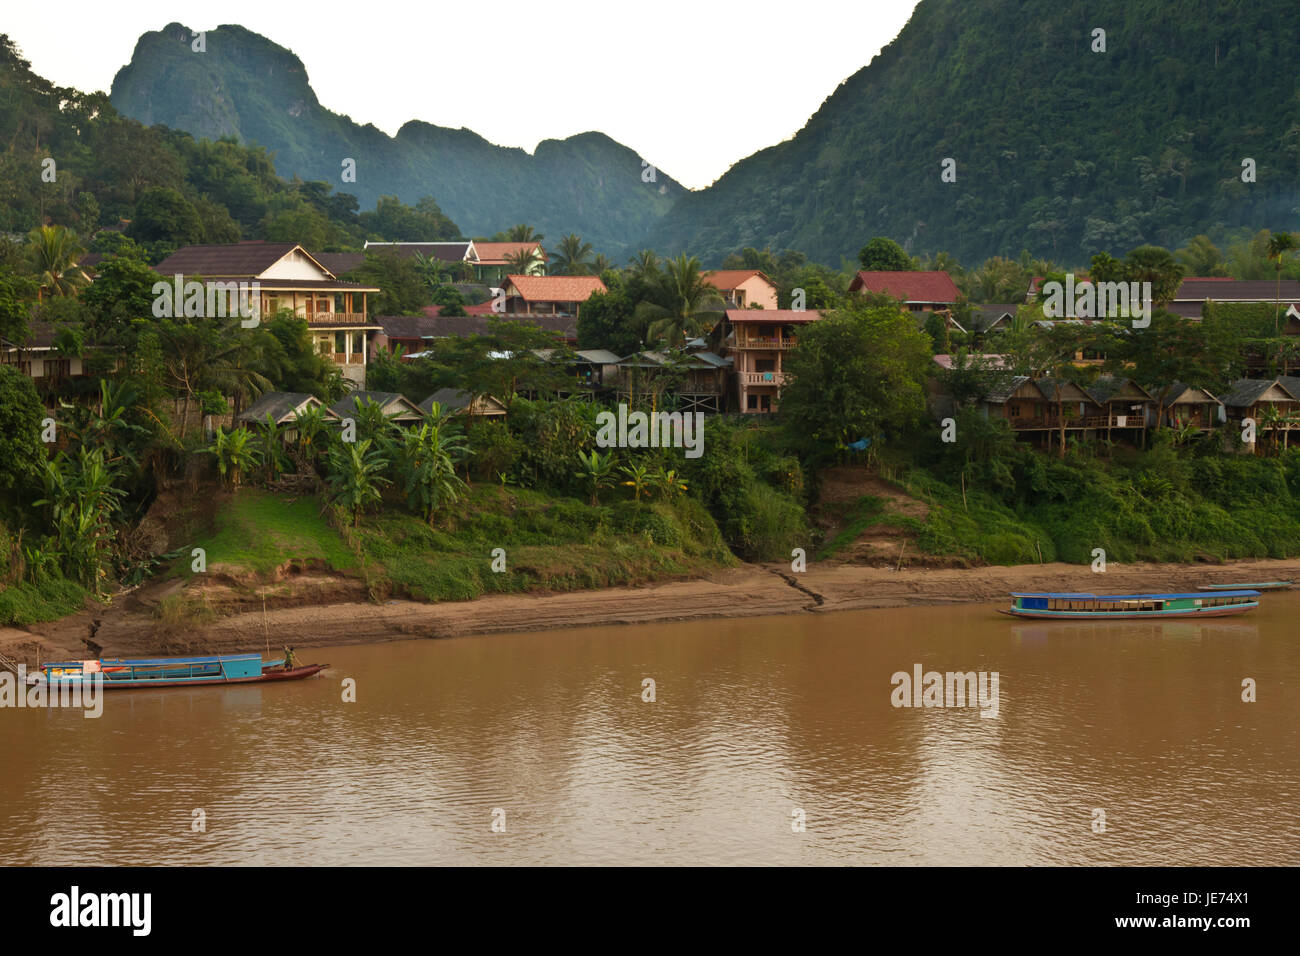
point(288, 658)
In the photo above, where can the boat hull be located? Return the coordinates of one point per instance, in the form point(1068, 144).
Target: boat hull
point(297, 673)
point(1224, 611)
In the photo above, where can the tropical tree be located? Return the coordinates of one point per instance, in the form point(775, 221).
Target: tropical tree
point(571, 257)
point(52, 253)
point(644, 266)
point(601, 263)
point(313, 434)
point(425, 460)
point(522, 233)
point(271, 450)
point(236, 453)
point(885, 255)
point(356, 477)
point(523, 261)
point(638, 479)
point(1279, 244)
point(686, 305)
point(81, 501)
point(597, 472)
point(669, 483)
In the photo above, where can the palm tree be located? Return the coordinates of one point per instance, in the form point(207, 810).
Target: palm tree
point(523, 262)
point(572, 257)
point(523, 233)
point(52, 252)
point(601, 263)
point(687, 305)
point(1279, 244)
point(644, 266)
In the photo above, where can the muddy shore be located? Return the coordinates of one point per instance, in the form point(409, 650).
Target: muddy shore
point(127, 628)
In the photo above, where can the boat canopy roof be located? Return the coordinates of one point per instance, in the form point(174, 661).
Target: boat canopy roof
point(1082, 596)
point(155, 661)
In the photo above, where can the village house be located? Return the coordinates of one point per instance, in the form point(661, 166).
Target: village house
point(38, 357)
point(415, 333)
point(491, 261)
point(548, 295)
point(594, 370)
point(397, 408)
point(744, 288)
point(1195, 291)
point(458, 402)
point(1186, 405)
point(698, 380)
point(289, 277)
point(1266, 402)
point(757, 341)
point(932, 291)
point(1125, 404)
point(282, 407)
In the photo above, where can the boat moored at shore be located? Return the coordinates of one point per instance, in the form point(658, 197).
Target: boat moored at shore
point(176, 671)
point(1063, 605)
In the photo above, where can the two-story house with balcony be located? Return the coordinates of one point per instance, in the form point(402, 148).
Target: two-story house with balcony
point(287, 276)
point(757, 341)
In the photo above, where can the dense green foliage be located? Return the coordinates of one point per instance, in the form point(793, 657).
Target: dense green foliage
point(174, 189)
point(1163, 504)
point(1057, 147)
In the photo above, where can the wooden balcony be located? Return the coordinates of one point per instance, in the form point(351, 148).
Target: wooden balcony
point(762, 378)
point(757, 342)
point(337, 318)
point(342, 358)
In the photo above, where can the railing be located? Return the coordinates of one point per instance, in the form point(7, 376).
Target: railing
point(344, 358)
point(762, 378)
point(755, 342)
point(1081, 421)
point(322, 318)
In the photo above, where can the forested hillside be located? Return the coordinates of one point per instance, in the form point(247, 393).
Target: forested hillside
point(1058, 148)
point(71, 159)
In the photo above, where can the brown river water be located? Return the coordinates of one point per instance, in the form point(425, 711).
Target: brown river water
point(759, 726)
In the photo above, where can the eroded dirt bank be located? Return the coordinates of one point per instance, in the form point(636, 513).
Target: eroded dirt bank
point(129, 627)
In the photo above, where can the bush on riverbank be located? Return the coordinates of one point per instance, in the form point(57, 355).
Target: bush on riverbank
point(1163, 504)
point(549, 544)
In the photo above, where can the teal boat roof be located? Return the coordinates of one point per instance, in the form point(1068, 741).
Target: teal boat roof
point(155, 661)
point(1083, 596)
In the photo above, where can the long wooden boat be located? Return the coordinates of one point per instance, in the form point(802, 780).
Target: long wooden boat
point(1062, 605)
point(176, 671)
point(1254, 586)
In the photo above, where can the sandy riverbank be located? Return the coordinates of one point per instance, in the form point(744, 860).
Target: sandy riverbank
point(740, 592)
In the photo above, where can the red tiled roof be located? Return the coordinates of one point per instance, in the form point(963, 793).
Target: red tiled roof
point(728, 279)
point(773, 316)
point(494, 253)
point(927, 287)
point(556, 288)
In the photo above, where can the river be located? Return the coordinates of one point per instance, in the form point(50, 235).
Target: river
point(769, 740)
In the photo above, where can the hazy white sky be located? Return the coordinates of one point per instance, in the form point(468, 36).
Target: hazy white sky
point(691, 86)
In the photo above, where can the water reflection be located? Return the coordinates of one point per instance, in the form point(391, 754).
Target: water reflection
point(753, 720)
